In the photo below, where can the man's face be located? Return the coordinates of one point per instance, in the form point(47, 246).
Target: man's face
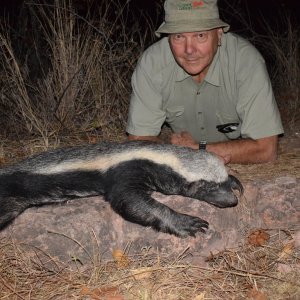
point(194, 51)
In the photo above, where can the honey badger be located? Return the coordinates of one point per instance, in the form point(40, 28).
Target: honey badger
point(126, 174)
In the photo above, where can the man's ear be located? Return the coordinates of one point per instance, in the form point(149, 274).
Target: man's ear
point(220, 33)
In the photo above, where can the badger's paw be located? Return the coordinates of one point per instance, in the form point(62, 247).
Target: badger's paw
point(184, 226)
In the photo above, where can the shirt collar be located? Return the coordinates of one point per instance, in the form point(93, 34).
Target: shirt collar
point(212, 76)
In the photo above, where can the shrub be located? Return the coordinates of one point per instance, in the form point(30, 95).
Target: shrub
point(66, 73)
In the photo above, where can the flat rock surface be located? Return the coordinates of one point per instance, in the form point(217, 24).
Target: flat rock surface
point(82, 228)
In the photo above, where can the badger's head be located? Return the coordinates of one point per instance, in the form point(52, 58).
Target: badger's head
point(209, 180)
point(220, 194)
point(225, 194)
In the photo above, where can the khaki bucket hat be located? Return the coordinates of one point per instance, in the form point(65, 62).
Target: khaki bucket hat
point(190, 16)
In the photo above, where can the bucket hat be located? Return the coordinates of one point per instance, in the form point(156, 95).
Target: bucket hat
point(190, 16)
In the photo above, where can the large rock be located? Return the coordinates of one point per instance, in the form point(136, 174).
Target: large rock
point(82, 228)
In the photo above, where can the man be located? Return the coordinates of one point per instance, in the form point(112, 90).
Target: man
point(210, 86)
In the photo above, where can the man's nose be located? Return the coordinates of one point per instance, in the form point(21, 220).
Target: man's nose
point(190, 46)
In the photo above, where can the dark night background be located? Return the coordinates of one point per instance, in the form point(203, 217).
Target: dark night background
point(263, 22)
point(267, 8)
point(235, 12)
point(246, 17)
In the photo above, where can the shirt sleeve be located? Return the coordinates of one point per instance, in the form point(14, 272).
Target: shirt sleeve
point(145, 116)
point(256, 105)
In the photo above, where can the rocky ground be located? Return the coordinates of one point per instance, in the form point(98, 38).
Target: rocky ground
point(78, 229)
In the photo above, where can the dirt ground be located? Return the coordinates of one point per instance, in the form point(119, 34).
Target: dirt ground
point(287, 164)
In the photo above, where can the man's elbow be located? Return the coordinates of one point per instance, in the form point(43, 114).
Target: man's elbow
point(270, 156)
point(269, 151)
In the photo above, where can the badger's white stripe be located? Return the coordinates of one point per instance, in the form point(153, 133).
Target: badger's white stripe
point(104, 162)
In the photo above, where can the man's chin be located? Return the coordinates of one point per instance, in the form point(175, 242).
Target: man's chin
point(192, 72)
point(195, 71)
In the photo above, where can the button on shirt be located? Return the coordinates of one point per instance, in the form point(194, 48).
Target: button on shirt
point(236, 89)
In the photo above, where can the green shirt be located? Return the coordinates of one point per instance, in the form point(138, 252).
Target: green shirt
point(236, 89)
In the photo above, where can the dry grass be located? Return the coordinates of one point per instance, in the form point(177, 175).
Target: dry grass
point(84, 66)
point(251, 271)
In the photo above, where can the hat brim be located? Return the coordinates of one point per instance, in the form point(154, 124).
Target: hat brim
point(191, 26)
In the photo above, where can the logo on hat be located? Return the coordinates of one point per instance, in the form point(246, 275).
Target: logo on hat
point(190, 6)
point(198, 4)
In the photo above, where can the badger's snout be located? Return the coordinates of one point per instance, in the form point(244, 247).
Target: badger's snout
point(226, 195)
point(221, 194)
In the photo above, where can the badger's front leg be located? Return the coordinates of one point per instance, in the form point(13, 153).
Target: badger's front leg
point(129, 187)
point(137, 206)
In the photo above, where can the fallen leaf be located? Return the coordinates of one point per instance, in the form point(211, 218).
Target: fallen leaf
point(85, 291)
point(287, 251)
point(120, 258)
point(142, 273)
point(258, 238)
point(256, 295)
point(107, 293)
point(200, 297)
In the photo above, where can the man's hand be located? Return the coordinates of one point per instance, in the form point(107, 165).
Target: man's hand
point(184, 139)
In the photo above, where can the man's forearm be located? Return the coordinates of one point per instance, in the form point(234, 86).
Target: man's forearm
point(236, 151)
point(246, 150)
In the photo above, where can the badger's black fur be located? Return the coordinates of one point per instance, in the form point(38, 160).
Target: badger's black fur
point(126, 174)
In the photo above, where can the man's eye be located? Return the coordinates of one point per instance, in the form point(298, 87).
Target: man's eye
point(177, 38)
point(202, 36)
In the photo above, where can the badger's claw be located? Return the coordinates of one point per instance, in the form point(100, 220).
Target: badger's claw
point(184, 225)
point(236, 184)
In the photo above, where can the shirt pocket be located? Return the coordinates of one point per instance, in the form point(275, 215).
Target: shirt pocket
point(175, 118)
point(225, 118)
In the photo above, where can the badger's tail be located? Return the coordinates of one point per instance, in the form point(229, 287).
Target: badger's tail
point(20, 190)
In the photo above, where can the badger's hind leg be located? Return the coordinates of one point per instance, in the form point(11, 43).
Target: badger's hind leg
point(129, 187)
point(10, 208)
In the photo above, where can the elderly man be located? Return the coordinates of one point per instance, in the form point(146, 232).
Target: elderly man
point(210, 86)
